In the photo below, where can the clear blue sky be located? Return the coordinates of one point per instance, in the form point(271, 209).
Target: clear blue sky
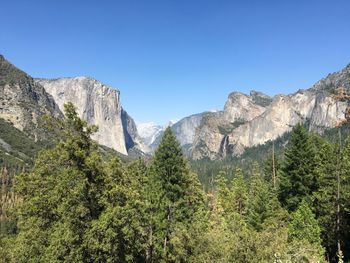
point(172, 58)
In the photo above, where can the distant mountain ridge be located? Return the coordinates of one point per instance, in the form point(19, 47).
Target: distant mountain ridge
point(24, 101)
point(245, 121)
point(251, 120)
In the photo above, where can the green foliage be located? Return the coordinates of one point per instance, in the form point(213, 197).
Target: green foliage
point(298, 177)
point(17, 149)
point(10, 74)
point(82, 204)
point(263, 101)
point(304, 226)
point(176, 199)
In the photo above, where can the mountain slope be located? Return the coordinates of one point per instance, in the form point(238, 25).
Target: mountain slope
point(100, 105)
point(23, 102)
point(244, 125)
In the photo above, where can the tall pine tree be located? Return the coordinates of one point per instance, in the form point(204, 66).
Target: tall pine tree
point(177, 197)
point(298, 179)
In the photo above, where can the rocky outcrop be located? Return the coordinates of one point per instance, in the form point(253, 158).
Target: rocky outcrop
point(248, 121)
point(98, 104)
point(240, 107)
point(211, 138)
point(23, 102)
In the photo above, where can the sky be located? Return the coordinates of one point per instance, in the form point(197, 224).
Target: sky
point(173, 58)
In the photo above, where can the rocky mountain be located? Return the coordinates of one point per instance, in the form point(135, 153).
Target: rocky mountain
point(100, 105)
point(23, 101)
point(255, 119)
point(149, 132)
point(246, 120)
point(183, 129)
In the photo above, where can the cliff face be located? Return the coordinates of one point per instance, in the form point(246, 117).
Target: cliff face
point(98, 104)
point(248, 121)
point(131, 135)
point(184, 130)
point(240, 107)
point(23, 102)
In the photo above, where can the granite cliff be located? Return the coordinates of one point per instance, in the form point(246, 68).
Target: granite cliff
point(100, 105)
point(255, 119)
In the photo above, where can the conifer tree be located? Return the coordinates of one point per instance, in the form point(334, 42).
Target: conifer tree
point(262, 203)
point(177, 195)
point(304, 225)
point(239, 192)
point(298, 179)
point(118, 235)
point(60, 197)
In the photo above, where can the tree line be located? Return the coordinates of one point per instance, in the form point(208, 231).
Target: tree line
point(74, 206)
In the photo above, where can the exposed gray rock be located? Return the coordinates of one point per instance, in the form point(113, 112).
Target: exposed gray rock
point(132, 138)
point(240, 107)
point(98, 104)
point(23, 102)
point(252, 120)
point(184, 130)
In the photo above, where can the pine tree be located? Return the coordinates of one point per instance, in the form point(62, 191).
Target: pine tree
point(304, 225)
point(60, 197)
point(262, 203)
point(298, 180)
point(177, 196)
point(239, 192)
point(118, 235)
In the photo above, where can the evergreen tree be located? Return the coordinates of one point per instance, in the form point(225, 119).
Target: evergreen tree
point(177, 196)
point(239, 192)
point(304, 225)
point(60, 197)
point(298, 179)
point(118, 235)
point(262, 203)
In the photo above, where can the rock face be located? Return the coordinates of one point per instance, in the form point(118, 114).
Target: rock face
point(23, 102)
point(149, 132)
point(98, 104)
point(240, 107)
point(183, 129)
point(131, 135)
point(252, 120)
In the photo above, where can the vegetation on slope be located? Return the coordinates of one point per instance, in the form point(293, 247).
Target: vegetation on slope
point(76, 206)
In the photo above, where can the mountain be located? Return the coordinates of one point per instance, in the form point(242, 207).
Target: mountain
point(100, 105)
point(183, 129)
point(251, 120)
point(23, 102)
point(149, 132)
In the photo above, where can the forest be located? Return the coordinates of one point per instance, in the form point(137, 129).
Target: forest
point(76, 205)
